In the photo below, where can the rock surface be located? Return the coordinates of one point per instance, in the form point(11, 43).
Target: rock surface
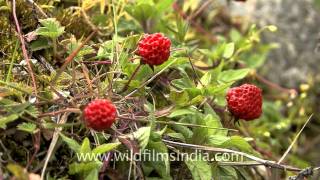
point(297, 59)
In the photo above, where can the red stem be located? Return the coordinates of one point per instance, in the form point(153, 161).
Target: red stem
point(130, 79)
point(23, 47)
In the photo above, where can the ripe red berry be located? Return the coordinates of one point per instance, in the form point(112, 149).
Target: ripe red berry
point(154, 49)
point(245, 101)
point(100, 114)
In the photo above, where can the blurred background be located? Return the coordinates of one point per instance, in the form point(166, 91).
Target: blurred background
point(294, 64)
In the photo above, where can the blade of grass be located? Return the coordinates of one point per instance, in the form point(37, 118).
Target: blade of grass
point(53, 143)
point(294, 140)
point(12, 62)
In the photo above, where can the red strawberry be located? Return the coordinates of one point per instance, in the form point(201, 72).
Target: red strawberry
point(100, 114)
point(245, 101)
point(154, 49)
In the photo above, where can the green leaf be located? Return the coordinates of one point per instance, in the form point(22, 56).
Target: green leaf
point(217, 89)
point(178, 136)
point(17, 88)
point(130, 42)
point(182, 29)
point(199, 169)
point(141, 11)
point(85, 146)
point(215, 122)
point(298, 161)
point(217, 140)
point(206, 52)
point(163, 5)
point(179, 97)
point(195, 101)
point(51, 28)
point(256, 60)
point(205, 79)
point(71, 143)
point(228, 51)
point(73, 44)
point(4, 8)
point(239, 143)
point(92, 175)
point(32, 111)
point(184, 82)
point(181, 112)
point(235, 35)
point(161, 165)
point(105, 50)
point(200, 134)
point(219, 52)
point(7, 119)
point(39, 44)
point(18, 172)
point(13, 107)
point(225, 172)
point(232, 75)
point(187, 133)
point(27, 127)
point(105, 148)
point(216, 71)
point(194, 92)
point(161, 132)
point(142, 136)
point(243, 174)
point(84, 167)
point(143, 74)
point(147, 169)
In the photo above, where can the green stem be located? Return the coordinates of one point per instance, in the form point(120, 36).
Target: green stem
point(54, 43)
point(12, 62)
